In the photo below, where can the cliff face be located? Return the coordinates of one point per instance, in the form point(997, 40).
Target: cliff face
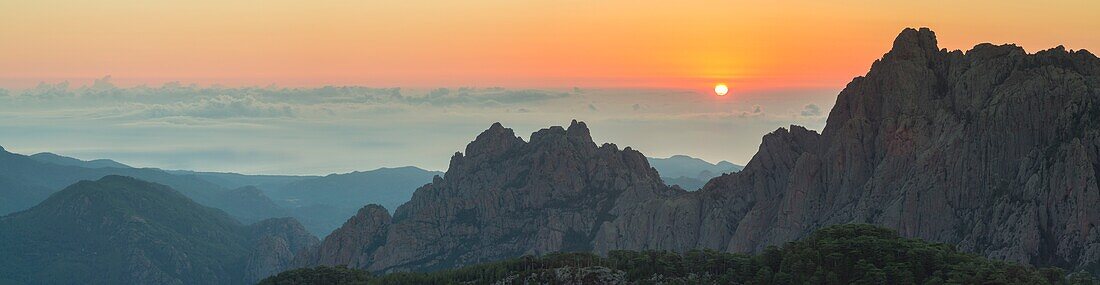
point(994, 150)
point(273, 245)
point(354, 243)
point(504, 197)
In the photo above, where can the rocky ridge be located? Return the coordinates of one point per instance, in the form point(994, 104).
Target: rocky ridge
point(502, 198)
point(994, 150)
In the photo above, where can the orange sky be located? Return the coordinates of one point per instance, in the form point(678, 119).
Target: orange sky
point(415, 43)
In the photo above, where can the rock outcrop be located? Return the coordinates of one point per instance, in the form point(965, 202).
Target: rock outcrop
point(503, 197)
point(994, 150)
point(354, 243)
point(274, 244)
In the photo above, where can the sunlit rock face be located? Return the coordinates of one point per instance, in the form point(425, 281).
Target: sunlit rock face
point(994, 150)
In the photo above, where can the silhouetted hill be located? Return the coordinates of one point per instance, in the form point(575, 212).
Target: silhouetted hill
point(23, 180)
point(322, 203)
point(120, 230)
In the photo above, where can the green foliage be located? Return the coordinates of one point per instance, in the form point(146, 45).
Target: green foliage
point(319, 275)
point(843, 254)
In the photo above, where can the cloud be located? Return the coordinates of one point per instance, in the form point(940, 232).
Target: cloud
point(482, 97)
point(103, 91)
point(218, 108)
point(811, 110)
point(756, 111)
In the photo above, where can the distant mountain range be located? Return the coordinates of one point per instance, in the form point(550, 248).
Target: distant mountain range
point(69, 161)
point(321, 203)
point(28, 181)
point(120, 230)
point(690, 173)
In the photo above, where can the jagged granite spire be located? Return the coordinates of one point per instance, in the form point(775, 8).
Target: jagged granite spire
point(503, 198)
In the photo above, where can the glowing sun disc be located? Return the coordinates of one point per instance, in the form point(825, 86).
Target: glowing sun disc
point(721, 89)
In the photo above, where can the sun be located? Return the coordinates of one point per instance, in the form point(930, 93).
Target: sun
point(721, 89)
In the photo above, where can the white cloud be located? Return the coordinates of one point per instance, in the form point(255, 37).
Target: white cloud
point(811, 110)
point(217, 107)
point(323, 127)
point(756, 111)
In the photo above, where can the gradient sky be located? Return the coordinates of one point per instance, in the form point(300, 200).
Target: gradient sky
point(644, 72)
point(679, 44)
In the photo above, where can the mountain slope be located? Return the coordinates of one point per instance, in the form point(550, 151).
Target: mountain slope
point(504, 197)
point(120, 230)
point(236, 180)
point(324, 203)
point(16, 195)
point(994, 150)
point(69, 161)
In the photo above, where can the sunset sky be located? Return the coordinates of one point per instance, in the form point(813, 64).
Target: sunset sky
point(631, 69)
point(679, 44)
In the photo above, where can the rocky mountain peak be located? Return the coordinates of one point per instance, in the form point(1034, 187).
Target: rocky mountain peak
point(577, 134)
point(914, 44)
point(493, 141)
point(372, 214)
point(504, 198)
point(579, 131)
